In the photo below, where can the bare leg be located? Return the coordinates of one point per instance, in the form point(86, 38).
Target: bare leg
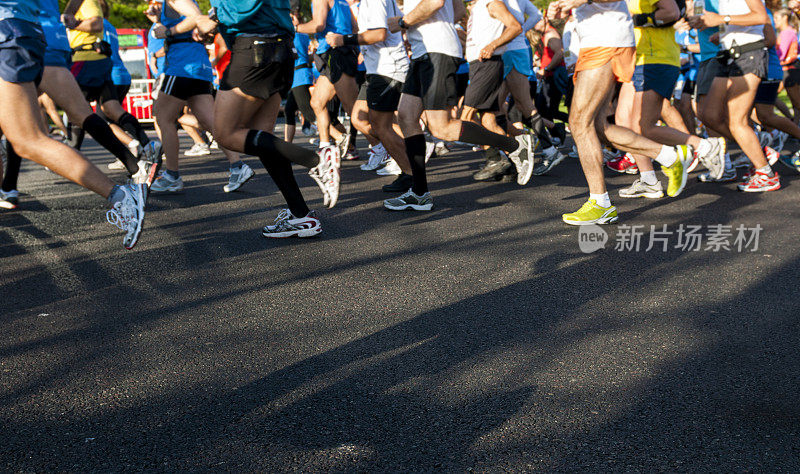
point(323, 93)
point(383, 126)
point(203, 108)
point(740, 98)
point(167, 109)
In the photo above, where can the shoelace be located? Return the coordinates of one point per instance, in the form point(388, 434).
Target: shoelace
point(116, 217)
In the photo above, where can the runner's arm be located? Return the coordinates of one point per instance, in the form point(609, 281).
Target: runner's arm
point(769, 35)
point(497, 10)
point(555, 44)
point(318, 19)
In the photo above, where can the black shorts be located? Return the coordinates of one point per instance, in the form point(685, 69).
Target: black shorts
point(462, 81)
point(767, 92)
point(752, 62)
point(485, 81)
point(184, 88)
point(791, 77)
point(432, 77)
point(260, 70)
point(337, 61)
point(96, 93)
point(114, 92)
point(706, 72)
point(383, 93)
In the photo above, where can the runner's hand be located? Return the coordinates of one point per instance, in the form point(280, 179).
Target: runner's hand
point(334, 40)
point(206, 26)
point(160, 31)
point(706, 20)
point(486, 52)
point(567, 5)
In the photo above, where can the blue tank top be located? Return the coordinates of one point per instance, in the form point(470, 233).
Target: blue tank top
point(253, 16)
point(184, 59)
point(119, 73)
point(27, 10)
point(303, 76)
point(339, 21)
point(774, 69)
point(153, 45)
point(708, 50)
point(55, 33)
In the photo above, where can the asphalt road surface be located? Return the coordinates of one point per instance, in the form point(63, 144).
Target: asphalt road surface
point(477, 336)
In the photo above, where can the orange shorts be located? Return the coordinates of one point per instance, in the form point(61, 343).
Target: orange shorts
point(623, 61)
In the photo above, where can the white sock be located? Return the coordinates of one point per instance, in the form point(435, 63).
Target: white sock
point(324, 144)
point(649, 177)
point(767, 170)
point(602, 200)
point(667, 156)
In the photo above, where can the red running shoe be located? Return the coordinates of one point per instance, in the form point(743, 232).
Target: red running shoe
point(623, 164)
point(760, 182)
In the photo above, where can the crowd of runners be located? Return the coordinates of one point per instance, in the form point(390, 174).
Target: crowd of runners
point(674, 82)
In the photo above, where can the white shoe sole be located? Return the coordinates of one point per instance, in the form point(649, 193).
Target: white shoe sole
point(303, 234)
point(602, 220)
point(652, 195)
point(762, 190)
point(406, 207)
point(228, 189)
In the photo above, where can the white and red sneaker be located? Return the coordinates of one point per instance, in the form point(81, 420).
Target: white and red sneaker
point(761, 182)
point(287, 225)
point(623, 164)
point(326, 174)
point(771, 154)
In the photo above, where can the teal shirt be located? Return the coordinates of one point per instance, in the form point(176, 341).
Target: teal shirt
point(267, 17)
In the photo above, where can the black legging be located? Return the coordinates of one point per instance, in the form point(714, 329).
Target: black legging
point(548, 99)
point(299, 99)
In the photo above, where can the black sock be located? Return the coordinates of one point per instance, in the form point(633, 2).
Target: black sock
point(263, 144)
point(475, 134)
point(536, 123)
point(415, 149)
point(76, 134)
point(100, 131)
point(281, 171)
point(133, 128)
point(12, 169)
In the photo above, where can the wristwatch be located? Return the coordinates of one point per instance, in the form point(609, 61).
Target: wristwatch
point(726, 19)
point(402, 23)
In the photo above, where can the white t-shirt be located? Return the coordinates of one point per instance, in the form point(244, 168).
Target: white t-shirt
point(521, 8)
point(437, 34)
point(572, 44)
point(735, 33)
point(482, 29)
point(387, 58)
point(607, 25)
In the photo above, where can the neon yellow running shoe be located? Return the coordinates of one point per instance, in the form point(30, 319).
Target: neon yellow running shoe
point(678, 173)
point(591, 213)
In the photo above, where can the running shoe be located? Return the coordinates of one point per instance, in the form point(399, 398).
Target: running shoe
point(792, 161)
point(116, 165)
point(9, 199)
point(741, 161)
point(147, 172)
point(128, 214)
point(343, 143)
point(559, 133)
point(728, 176)
point(238, 177)
point(287, 225)
point(552, 157)
point(715, 162)
point(623, 164)
point(641, 189)
point(213, 145)
point(378, 156)
point(411, 201)
point(391, 169)
point(198, 149)
point(779, 140)
point(166, 184)
point(152, 151)
point(678, 172)
point(136, 148)
point(521, 157)
point(441, 148)
point(771, 155)
point(352, 155)
point(761, 182)
point(764, 139)
point(326, 174)
point(591, 213)
point(608, 155)
point(694, 163)
point(400, 185)
point(309, 130)
point(574, 153)
point(493, 171)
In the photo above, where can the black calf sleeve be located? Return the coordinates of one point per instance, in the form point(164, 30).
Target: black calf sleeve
point(133, 128)
point(12, 169)
point(263, 144)
point(415, 149)
point(100, 131)
point(536, 123)
point(280, 169)
point(475, 134)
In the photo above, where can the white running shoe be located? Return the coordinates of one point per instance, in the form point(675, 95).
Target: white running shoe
point(165, 184)
point(343, 143)
point(391, 169)
point(116, 165)
point(378, 157)
point(574, 153)
point(9, 199)
point(521, 157)
point(287, 225)
point(641, 189)
point(715, 160)
point(128, 214)
point(238, 177)
point(441, 148)
point(198, 149)
point(326, 174)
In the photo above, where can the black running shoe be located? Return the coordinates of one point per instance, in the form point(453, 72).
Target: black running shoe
point(493, 171)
